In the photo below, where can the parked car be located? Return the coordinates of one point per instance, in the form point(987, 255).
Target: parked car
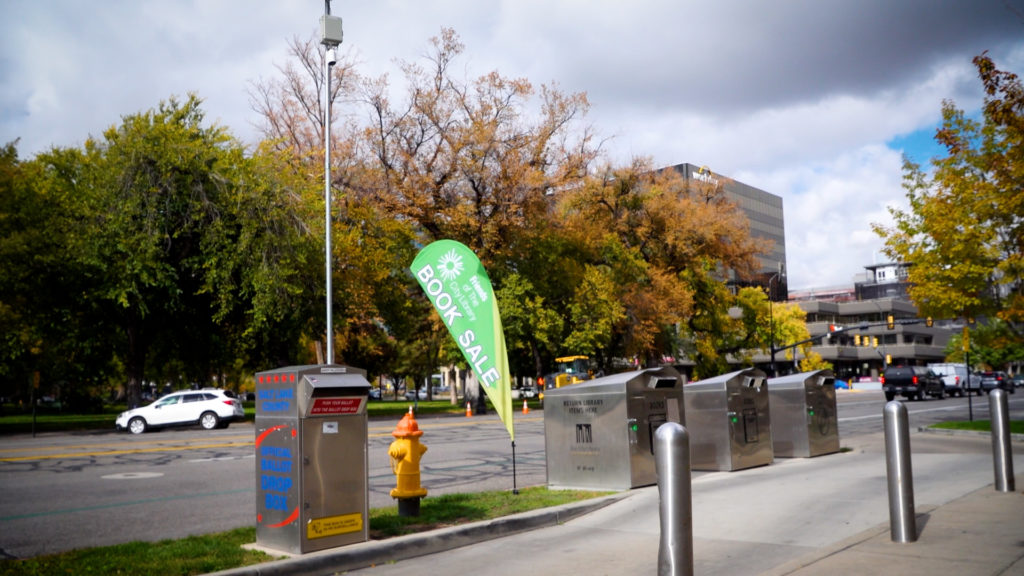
point(374, 393)
point(954, 376)
point(993, 379)
point(210, 409)
point(1018, 380)
point(911, 382)
point(413, 394)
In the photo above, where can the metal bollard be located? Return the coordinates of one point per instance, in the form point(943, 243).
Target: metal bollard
point(672, 464)
point(1002, 453)
point(902, 522)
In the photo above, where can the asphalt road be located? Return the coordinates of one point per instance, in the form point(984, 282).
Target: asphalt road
point(65, 491)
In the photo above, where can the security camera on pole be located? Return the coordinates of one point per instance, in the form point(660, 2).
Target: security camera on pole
point(331, 35)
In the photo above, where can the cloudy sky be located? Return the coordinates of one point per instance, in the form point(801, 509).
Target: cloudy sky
point(812, 100)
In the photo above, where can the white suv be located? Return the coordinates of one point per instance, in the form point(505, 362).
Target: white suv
point(208, 408)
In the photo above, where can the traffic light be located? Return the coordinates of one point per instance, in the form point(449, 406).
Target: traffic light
point(890, 322)
point(928, 322)
point(856, 339)
point(874, 341)
point(888, 359)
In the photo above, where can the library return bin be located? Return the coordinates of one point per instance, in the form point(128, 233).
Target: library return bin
point(805, 422)
point(599, 434)
point(729, 421)
point(311, 458)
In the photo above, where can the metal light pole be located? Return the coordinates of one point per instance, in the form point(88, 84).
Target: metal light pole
point(771, 319)
point(331, 34)
point(966, 342)
point(771, 328)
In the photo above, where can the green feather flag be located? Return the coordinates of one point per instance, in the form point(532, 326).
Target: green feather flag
point(457, 285)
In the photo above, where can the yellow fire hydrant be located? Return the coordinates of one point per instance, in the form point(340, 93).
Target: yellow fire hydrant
point(405, 453)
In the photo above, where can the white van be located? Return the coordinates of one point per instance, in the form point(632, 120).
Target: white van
point(954, 376)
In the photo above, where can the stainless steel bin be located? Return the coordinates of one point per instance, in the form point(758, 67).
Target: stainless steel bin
point(599, 434)
point(805, 422)
point(729, 421)
point(311, 458)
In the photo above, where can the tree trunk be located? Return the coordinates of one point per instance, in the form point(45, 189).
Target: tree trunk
point(136, 363)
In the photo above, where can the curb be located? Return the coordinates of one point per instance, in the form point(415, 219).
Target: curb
point(950, 432)
point(374, 552)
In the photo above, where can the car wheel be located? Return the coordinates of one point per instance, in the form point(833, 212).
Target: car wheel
point(941, 395)
point(889, 396)
point(137, 425)
point(209, 421)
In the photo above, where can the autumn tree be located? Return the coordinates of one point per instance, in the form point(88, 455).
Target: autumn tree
point(612, 263)
point(666, 248)
point(963, 232)
point(292, 109)
point(470, 161)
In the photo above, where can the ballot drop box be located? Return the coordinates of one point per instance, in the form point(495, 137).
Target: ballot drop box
point(311, 457)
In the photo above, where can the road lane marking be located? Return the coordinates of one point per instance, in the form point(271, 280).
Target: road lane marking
point(123, 504)
point(910, 412)
point(88, 451)
point(121, 452)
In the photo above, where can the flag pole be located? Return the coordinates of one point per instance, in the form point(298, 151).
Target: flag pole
point(514, 489)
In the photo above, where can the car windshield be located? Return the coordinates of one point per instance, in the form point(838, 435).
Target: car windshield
point(168, 400)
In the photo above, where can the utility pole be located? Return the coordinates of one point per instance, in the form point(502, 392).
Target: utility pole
point(331, 36)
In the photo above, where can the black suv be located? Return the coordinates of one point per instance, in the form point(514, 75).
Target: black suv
point(913, 382)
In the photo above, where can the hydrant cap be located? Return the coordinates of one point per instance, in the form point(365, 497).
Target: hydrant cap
point(407, 428)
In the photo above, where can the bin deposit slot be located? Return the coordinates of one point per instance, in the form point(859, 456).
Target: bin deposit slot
point(750, 433)
point(653, 423)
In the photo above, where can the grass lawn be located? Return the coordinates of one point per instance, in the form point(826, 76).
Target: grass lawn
point(1016, 426)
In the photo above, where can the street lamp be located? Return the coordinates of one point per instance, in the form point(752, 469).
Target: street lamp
point(331, 35)
point(771, 318)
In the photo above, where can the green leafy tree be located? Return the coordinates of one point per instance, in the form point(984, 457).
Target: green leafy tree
point(994, 346)
point(149, 192)
point(47, 327)
point(963, 232)
point(531, 327)
point(263, 264)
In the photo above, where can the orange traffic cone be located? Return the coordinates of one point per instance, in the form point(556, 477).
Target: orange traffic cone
point(469, 411)
point(526, 409)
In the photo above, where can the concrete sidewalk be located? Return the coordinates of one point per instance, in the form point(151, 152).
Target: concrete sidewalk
point(824, 515)
point(979, 533)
